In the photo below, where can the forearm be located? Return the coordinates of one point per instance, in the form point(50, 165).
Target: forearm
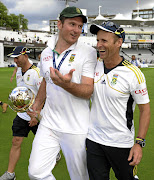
point(136, 150)
point(14, 72)
point(80, 90)
point(13, 75)
point(144, 120)
point(41, 96)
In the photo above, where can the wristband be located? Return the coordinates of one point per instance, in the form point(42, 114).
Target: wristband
point(140, 141)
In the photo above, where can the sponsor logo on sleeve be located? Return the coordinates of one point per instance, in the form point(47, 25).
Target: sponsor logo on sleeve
point(47, 58)
point(141, 91)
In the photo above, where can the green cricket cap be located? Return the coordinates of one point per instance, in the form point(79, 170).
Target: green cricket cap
point(71, 12)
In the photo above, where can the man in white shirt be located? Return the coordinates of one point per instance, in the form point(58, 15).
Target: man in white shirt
point(135, 62)
point(27, 75)
point(67, 67)
point(118, 86)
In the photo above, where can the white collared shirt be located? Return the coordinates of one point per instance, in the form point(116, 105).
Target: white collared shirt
point(115, 94)
point(32, 80)
point(62, 111)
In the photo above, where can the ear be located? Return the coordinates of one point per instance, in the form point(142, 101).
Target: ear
point(119, 42)
point(59, 24)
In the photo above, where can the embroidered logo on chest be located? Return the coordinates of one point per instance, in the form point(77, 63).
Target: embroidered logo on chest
point(72, 58)
point(28, 77)
point(114, 79)
point(103, 82)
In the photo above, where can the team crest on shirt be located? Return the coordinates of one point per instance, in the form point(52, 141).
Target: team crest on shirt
point(114, 79)
point(28, 77)
point(72, 58)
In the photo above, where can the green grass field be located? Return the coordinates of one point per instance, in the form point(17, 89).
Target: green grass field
point(145, 170)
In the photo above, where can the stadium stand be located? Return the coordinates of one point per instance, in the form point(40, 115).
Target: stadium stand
point(139, 41)
point(24, 36)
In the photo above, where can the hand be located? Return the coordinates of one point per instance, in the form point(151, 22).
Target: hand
point(33, 113)
point(59, 79)
point(33, 122)
point(11, 79)
point(135, 154)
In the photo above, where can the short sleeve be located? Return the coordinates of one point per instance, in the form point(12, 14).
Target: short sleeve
point(89, 64)
point(139, 89)
point(38, 80)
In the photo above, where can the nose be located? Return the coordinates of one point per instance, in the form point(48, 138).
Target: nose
point(99, 45)
point(77, 29)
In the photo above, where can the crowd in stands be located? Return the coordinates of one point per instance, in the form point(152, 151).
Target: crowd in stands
point(24, 36)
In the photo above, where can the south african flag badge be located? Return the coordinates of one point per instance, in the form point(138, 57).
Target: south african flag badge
point(72, 58)
point(114, 79)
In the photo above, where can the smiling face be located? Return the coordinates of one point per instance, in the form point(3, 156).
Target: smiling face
point(108, 45)
point(70, 29)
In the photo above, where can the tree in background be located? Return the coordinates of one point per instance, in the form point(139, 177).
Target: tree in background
point(23, 23)
point(3, 14)
point(13, 21)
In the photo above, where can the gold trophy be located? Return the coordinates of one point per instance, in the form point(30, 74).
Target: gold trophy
point(21, 99)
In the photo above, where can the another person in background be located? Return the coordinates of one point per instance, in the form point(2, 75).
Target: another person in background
point(4, 106)
point(15, 71)
point(67, 67)
point(118, 86)
point(135, 62)
point(27, 75)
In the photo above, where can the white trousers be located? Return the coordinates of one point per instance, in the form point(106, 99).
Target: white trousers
point(46, 146)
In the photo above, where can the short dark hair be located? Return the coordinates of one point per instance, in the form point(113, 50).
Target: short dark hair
point(62, 19)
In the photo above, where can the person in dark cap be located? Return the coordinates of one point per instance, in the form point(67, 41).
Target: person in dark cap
point(71, 12)
point(11, 55)
point(118, 86)
point(28, 76)
point(67, 67)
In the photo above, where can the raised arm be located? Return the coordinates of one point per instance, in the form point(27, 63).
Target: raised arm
point(82, 90)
